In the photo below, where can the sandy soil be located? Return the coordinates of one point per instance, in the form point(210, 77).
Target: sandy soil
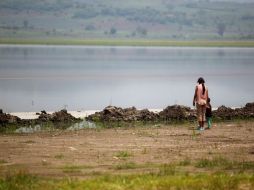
point(99, 150)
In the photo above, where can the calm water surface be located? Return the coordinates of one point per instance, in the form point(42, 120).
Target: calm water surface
point(33, 78)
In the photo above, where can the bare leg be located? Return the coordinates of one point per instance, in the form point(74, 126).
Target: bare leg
point(200, 123)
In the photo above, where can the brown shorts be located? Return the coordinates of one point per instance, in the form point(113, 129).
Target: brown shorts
point(201, 112)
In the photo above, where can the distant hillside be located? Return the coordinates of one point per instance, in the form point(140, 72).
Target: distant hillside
point(160, 19)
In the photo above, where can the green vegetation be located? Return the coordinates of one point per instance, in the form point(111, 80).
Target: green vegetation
point(3, 161)
point(215, 162)
point(29, 142)
point(23, 181)
point(59, 156)
point(185, 162)
point(167, 169)
point(144, 19)
point(218, 173)
point(223, 163)
point(127, 165)
point(19, 181)
point(122, 42)
point(123, 154)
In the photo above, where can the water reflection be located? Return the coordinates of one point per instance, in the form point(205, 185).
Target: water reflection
point(34, 78)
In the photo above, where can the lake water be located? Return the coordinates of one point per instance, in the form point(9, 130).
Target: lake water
point(34, 78)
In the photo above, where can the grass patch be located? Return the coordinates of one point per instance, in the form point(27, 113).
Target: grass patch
point(144, 151)
point(167, 169)
point(29, 142)
point(218, 181)
point(123, 154)
point(59, 156)
point(125, 166)
point(246, 165)
point(128, 42)
point(19, 181)
point(3, 161)
point(185, 162)
point(215, 162)
point(224, 164)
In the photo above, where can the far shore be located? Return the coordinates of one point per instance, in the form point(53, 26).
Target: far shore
point(130, 42)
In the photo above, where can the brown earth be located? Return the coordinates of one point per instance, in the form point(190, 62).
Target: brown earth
point(94, 151)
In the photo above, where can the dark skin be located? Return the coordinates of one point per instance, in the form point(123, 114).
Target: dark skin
point(201, 123)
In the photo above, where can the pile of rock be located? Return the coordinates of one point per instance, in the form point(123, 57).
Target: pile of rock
point(56, 117)
point(248, 110)
point(113, 113)
point(228, 113)
point(177, 113)
point(60, 116)
point(8, 119)
point(170, 113)
point(224, 112)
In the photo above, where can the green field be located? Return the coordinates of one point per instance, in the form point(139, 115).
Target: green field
point(145, 19)
point(168, 176)
point(125, 42)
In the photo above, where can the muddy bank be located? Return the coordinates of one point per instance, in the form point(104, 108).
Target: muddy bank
point(59, 117)
point(8, 119)
point(227, 113)
point(114, 114)
point(170, 113)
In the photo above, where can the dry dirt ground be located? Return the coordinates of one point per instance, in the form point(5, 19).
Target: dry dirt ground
point(94, 151)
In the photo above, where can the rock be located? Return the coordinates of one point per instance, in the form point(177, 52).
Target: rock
point(113, 113)
point(224, 112)
point(175, 112)
point(44, 117)
point(62, 116)
point(249, 107)
point(146, 115)
point(248, 110)
point(8, 119)
point(228, 113)
point(43, 112)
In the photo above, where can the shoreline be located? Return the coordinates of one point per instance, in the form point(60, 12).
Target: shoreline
point(76, 114)
point(132, 43)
